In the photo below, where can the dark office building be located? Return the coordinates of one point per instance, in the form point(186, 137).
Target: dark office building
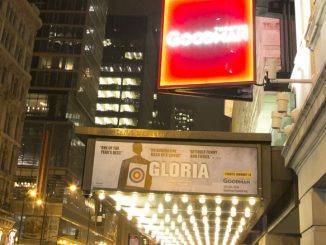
point(122, 72)
point(65, 73)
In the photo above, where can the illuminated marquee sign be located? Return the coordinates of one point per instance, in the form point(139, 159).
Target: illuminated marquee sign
point(135, 166)
point(207, 43)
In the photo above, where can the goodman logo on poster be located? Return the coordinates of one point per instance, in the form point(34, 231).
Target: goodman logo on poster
point(175, 168)
point(207, 43)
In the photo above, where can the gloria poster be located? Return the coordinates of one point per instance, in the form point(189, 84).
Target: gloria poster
point(175, 168)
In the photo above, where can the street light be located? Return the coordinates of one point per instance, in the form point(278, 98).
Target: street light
point(30, 193)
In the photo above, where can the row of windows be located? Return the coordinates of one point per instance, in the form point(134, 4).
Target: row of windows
point(57, 31)
point(129, 68)
point(119, 94)
point(120, 81)
point(63, 18)
point(117, 107)
point(114, 121)
point(46, 105)
point(54, 79)
point(58, 46)
point(55, 62)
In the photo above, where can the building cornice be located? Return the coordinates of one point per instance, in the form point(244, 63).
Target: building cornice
point(310, 128)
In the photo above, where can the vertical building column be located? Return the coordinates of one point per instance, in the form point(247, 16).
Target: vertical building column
point(272, 239)
point(312, 211)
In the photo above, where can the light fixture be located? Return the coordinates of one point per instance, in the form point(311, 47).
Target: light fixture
point(167, 198)
point(32, 193)
point(202, 199)
point(184, 199)
point(179, 218)
point(252, 201)
point(235, 201)
point(167, 218)
point(73, 187)
point(151, 197)
point(233, 211)
point(101, 196)
point(189, 209)
point(218, 211)
point(204, 210)
point(175, 209)
point(39, 202)
point(160, 208)
point(247, 212)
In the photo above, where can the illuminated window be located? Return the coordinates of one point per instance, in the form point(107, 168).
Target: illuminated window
point(134, 55)
point(107, 42)
point(127, 122)
point(110, 80)
point(69, 64)
point(130, 95)
point(155, 96)
point(37, 103)
point(109, 94)
point(45, 62)
point(106, 120)
point(131, 81)
point(128, 108)
point(107, 107)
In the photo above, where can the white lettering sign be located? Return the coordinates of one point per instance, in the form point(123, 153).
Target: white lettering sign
point(219, 34)
point(177, 170)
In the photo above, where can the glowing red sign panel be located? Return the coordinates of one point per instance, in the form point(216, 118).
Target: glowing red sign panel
point(207, 43)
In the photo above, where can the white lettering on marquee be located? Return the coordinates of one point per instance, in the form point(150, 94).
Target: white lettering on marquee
point(179, 170)
point(219, 34)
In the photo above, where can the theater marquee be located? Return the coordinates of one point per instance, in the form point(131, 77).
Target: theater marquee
point(206, 43)
point(135, 166)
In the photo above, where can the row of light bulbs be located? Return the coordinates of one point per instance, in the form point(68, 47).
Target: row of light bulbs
point(171, 234)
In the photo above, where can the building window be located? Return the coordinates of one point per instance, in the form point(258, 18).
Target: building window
point(110, 81)
point(107, 107)
point(128, 108)
point(37, 104)
point(134, 55)
point(109, 94)
point(131, 81)
point(106, 121)
point(127, 122)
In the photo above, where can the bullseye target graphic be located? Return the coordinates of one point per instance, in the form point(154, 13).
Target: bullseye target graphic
point(136, 175)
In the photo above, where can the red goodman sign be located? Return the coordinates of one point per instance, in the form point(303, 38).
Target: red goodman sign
point(207, 43)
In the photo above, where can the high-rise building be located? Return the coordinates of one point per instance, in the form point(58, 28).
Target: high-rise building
point(65, 72)
point(122, 72)
point(19, 22)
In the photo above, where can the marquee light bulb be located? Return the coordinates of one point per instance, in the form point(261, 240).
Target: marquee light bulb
point(247, 212)
point(147, 207)
point(192, 219)
point(205, 220)
point(172, 225)
point(240, 229)
point(167, 218)
point(233, 211)
point(129, 217)
point(204, 210)
point(167, 198)
point(160, 208)
point(218, 211)
point(179, 218)
point(235, 201)
point(252, 201)
point(218, 200)
point(151, 197)
point(101, 196)
point(202, 199)
point(175, 209)
point(242, 221)
point(189, 210)
point(184, 199)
